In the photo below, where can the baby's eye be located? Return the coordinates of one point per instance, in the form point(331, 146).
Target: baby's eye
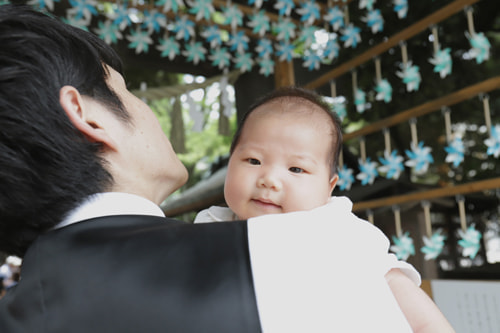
point(253, 161)
point(296, 170)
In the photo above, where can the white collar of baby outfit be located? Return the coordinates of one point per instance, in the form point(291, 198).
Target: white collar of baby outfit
point(111, 203)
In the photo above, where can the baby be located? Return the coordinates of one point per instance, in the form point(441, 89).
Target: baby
point(283, 157)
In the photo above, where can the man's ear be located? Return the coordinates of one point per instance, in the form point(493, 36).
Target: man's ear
point(80, 113)
point(333, 182)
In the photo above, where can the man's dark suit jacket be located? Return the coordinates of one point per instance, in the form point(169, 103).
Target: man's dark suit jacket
point(135, 274)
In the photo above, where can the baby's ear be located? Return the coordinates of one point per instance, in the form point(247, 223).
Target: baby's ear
point(80, 113)
point(333, 182)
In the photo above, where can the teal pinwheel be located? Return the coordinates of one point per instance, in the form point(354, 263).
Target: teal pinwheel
point(392, 165)
point(309, 12)
point(332, 49)
point(401, 8)
point(264, 48)
point(419, 158)
point(108, 31)
point(42, 4)
point(311, 60)
point(203, 9)
point(284, 7)
point(384, 91)
point(260, 23)
point(493, 142)
point(238, 42)
point(244, 62)
point(433, 245)
point(121, 16)
point(257, 3)
point(480, 47)
point(346, 178)
point(266, 65)
point(212, 34)
point(307, 36)
point(340, 109)
point(403, 246)
point(220, 57)
point(455, 150)
point(169, 47)
point(351, 36)
point(368, 172)
point(285, 29)
point(442, 62)
point(139, 40)
point(233, 15)
point(360, 100)
point(470, 241)
point(154, 20)
point(170, 5)
point(285, 51)
point(83, 9)
point(184, 28)
point(335, 17)
point(368, 4)
point(374, 20)
point(195, 52)
point(410, 75)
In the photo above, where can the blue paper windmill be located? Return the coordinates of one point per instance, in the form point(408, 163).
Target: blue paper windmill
point(169, 47)
point(360, 100)
point(121, 17)
point(335, 17)
point(309, 12)
point(340, 109)
point(108, 31)
point(368, 4)
point(311, 60)
point(195, 52)
point(40, 4)
point(392, 165)
point(260, 23)
point(154, 20)
point(470, 241)
point(285, 51)
point(264, 48)
point(403, 246)
point(480, 47)
point(285, 29)
point(244, 62)
point(493, 142)
point(184, 28)
point(170, 5)
point(434, 245)
point(220, 57)
point(139, 40)
point(455, 151)
point(203, 9)
point(332, 49)
point(238, 42)
point(384, 91)
point(213, 35)
point(351, 36)
point(346, 178)
point(266, 66)
point(401, 8)
point(419, 158)
point(83, 9)
point(368, 172)
point(233, 15)
point(284, 7)
point(257, 3)
point(410, 75)
point(374, 20)
point(442, 62)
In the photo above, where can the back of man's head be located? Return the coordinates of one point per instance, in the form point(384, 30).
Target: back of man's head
point(46, 166)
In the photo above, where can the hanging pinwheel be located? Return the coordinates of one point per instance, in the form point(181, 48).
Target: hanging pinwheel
point(493, 142)
point(80, 23)
point(470, 241)
point(266, 66)
point(332, 49)
point(340, 109)
point(41, 4)
point(410, 75)
point(260, 23)
point(401, 8)
point(285, 29)
point(335, 17)
point(108, 31)
point(213, 35)
point(83, 9)
point(169, 47)
point(368, 4)
point(311, 60)
point(139, 40)
point(480, 47)
point(184, 28)
point(455, 151)
point(203, 9)
point(154, 21)
point(257, 3)
point(392, 165)
point(419, 158)
point(360, 100)
point(403, 246)
point(220, 57)
point(433, 245)
point(368, 172)
point(285, 51)
point(307, 36)
point(170, 5)
point(195, 52)
point(309, 12)
point(121, 17)
point(351, 36)
point(284, 7)
point(346, 178)
point(442, 62)
point(244, 62)
point(264, 48)
point(374, 20)
point(238, 42)
point(233, 15)
point(384, 91)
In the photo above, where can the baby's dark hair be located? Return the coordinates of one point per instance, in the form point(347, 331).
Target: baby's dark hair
point(296, 94)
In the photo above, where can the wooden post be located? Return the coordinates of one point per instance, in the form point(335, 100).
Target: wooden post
point(284, 75)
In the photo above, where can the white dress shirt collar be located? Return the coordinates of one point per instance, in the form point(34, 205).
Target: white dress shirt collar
point(111, 203)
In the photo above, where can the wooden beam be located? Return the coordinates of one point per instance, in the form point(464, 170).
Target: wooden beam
point(284, 75)
point(380, 48)
point(428, 107)
point(448, 191)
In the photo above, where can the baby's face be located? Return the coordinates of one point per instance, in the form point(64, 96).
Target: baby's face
point(281, 163)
